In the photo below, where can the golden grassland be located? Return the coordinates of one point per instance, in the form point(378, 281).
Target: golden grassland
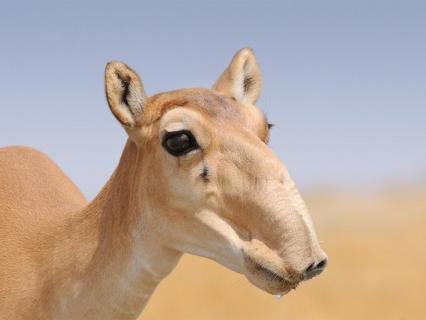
point(377, 258)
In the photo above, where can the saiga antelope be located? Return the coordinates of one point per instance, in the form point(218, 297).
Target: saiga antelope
point(196, 176)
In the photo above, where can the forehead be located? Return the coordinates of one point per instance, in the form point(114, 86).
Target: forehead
point(220, 109)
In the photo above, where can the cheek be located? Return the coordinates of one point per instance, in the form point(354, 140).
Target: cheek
point(184, 188)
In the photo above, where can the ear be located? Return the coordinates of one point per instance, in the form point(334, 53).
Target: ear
point(125, 93)
point(242, 79)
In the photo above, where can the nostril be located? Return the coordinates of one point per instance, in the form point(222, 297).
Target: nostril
point(310, 267)
point(314, 269)
point(321, 264)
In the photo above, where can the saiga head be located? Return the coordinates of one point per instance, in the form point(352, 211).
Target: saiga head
point(211, 184)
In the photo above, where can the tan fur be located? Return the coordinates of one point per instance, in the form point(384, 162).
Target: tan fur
point(231, 200)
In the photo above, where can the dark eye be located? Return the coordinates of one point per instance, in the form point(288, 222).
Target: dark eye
point(178, 143)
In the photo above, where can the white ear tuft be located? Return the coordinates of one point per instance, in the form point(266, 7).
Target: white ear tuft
point(125, 93)
point(242, 79)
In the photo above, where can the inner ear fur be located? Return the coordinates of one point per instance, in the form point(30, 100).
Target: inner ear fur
point(125, 93)
point(242, 79)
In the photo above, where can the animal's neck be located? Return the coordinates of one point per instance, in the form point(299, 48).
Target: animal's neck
point(127, 260)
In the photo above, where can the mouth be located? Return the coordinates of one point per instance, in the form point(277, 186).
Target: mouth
point(269, 274)
point(270, 280)
point(282, 283)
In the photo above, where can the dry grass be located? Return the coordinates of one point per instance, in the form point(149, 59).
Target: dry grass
point(377, 250)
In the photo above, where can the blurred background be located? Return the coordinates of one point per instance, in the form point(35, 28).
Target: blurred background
point(344, 84)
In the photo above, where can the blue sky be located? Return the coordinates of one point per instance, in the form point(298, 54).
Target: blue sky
point(344, 81)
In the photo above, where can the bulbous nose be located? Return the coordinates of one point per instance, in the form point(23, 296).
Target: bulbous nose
point(314, 269)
